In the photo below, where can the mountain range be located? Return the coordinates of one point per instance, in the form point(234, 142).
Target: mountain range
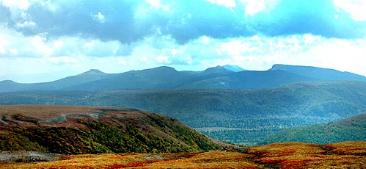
point(220, 77)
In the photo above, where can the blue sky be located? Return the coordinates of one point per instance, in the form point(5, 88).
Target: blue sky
point(42, 40)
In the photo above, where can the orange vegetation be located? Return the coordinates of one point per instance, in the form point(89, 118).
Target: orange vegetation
point(278, 155)
point(301, 155)
point(212, 159)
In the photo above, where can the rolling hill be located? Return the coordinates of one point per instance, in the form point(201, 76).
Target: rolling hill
point(350, 129)
point(167, 78)
point(76, 130)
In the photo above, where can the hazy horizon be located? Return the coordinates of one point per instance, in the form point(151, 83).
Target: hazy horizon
point(47, 40)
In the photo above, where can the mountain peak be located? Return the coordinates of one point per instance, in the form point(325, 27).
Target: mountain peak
point(163, 68)
point(93, 72)
point(7, 81)
point(216, 69)
point(224, 68)
point(233, 68)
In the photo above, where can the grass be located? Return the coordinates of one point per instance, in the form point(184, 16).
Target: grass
point(278, 155)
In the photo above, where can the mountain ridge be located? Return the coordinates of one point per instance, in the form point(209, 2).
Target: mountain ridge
point(164, 77)
point(318, 73)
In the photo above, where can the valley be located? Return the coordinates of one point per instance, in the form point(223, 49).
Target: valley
point(245, 116)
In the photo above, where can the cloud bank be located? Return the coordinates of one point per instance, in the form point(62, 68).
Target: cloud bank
point(116, 36)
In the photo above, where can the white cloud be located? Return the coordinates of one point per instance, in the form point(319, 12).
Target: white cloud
point(99, 17)
point(356, 8)
point(21, 56)
point(260, 53)
point(26, 24)
point(16, 4)
point(253, 7)
point(15, 44)
point(24, 5)
point(154, 3)
point(3, 45)
point(225, 3)
point(158, 5)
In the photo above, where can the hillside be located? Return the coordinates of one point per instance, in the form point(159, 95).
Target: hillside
point(168, 78)
point(279, 155)
point(239, 116)
point(75, 130)
point(353, 128)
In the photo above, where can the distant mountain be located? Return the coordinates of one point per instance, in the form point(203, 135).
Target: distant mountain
point(225, 68)
point(350, 129)
point(248, 80)
point(156, 78)
point(162, 78)
point(89, 76)
point(75, 130)
point(10, 86)
point(217, 69)
point(233, 68)
point(316, 73)
point(94, 80)
point(240, 116)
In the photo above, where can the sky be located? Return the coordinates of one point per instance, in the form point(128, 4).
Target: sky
point(44, 40)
